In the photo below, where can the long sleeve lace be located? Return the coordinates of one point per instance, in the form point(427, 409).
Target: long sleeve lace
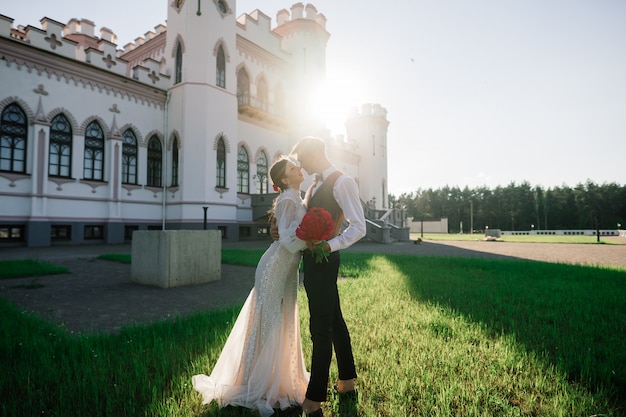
point(289, 213)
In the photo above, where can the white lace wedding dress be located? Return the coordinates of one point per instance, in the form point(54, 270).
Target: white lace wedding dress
point(261, 365)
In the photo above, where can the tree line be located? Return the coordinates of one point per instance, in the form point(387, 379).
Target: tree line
point(520, 207)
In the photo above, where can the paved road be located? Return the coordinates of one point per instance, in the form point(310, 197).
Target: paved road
point(584, 254)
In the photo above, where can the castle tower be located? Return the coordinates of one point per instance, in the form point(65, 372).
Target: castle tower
point(368, 128)
point(303, 35)
point(202, 103)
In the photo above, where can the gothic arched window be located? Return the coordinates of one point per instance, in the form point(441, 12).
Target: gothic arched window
point(13, 129)
point(93, 163)
point(221, 163)
point(261, 92)
point(60, 150)
point(243, 171)
point(175, 163)
point(129, 158)
point(220, 69)
point(261, 173)
point(178, 73)
point(155, 162)
point(243, 88)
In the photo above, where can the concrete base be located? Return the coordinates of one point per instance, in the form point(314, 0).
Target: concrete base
point(497, 233)
point(174, 258)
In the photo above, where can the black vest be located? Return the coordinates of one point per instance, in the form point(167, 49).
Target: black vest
point(324, 198)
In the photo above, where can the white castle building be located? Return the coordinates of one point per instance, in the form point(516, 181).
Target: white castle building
point(174, 131)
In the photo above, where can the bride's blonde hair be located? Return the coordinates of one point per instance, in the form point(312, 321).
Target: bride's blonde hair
point(277, 173)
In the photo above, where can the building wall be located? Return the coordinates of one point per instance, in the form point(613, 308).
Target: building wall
point(66, 68)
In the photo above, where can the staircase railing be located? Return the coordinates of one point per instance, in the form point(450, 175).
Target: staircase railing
point(386, 226)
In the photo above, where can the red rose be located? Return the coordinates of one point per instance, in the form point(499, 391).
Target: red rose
point(317, 225)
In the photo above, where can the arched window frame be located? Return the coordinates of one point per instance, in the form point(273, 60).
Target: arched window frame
point(60, 147)
point(93, 160)
point(243, 87)
point(155, 163)
point(221, 163)
point(220, 68)
point(129, 157)
point(243, 171)
point(175, 162)
point(13, 139)
point(262, 172)
point(178, 72)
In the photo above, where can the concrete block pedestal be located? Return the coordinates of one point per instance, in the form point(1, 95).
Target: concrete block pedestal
point(173, 258)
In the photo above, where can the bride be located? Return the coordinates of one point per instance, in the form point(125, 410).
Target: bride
point(261, 365)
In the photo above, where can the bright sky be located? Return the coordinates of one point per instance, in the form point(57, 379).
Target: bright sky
point(481, 92)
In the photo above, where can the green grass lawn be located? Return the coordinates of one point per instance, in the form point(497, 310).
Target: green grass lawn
point(432, 336)
point(28, 268)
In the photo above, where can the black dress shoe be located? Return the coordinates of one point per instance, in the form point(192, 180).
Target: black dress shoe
point(293, 411)
point(351, 395)
point(348, 403)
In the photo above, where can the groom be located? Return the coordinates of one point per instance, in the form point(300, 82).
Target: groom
point(338, 193)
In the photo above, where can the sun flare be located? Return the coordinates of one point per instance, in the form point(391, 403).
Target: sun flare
point(335, 99)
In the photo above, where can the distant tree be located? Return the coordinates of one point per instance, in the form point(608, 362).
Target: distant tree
point(520, 206)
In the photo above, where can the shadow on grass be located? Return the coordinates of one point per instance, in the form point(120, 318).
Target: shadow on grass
point(574, 316)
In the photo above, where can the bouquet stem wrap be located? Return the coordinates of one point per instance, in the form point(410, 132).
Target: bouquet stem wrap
point(317, 226)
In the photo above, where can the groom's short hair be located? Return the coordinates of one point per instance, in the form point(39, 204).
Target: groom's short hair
point(309, 145)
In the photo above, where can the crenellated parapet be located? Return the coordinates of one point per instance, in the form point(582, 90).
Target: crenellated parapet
point(149, 72)
point(77, 40)
point(50, 37)
point(368, 110)
point(256, 27)
point(148, 36)
point(301, 19)
point(300, 11)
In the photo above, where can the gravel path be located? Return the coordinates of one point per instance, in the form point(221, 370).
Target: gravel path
point(99, 296)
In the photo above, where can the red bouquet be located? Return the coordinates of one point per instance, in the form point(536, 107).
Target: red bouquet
point(317, 226)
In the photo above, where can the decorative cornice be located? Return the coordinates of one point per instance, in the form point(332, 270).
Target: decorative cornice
point(155, 190)
point(221, 190)
point(60, 182)
point(173, 190)
point(14, 176)
point(79, 73)
point(94, 184)
point(130, 188)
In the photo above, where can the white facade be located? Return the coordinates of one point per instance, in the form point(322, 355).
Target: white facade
point(180, 88)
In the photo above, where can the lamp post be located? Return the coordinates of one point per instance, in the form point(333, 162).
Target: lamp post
point(205, 208)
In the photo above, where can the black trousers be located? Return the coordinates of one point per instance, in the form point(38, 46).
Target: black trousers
point(327, 326)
